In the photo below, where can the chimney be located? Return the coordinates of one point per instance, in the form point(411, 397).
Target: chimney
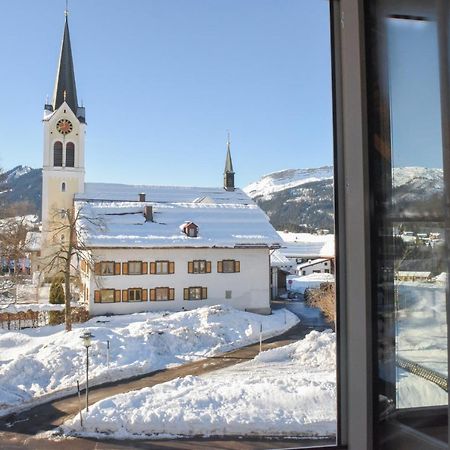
point(142, 197)
point(148, 212)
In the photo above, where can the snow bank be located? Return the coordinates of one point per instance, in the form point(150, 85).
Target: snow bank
point(289, 391)
point(36, 363)
point(312, 281)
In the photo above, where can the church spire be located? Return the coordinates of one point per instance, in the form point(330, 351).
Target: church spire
point(228, 174)
point(65, 87)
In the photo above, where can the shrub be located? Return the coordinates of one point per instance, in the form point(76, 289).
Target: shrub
point(56, 297)
point(324, 298)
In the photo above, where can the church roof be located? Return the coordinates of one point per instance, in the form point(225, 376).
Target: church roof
point(228, 219)
point(228, 161)
point(65, 87)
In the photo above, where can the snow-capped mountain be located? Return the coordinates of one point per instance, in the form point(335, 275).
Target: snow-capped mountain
point(301, 199)
point(294, 199)
point(22, 184)
point(286, 179)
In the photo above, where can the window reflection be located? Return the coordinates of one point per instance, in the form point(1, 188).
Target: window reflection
point(409, 220)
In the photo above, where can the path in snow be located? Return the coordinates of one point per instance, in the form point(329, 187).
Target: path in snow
point(17, 429)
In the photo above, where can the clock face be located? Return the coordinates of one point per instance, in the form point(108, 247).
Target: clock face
point(64, 126)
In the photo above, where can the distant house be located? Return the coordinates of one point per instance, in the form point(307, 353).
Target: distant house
point(320, 265)
point(281, 268)
point(408, 275)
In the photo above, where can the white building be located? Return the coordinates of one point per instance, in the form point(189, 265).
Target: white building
point(155, 248)
point(319, 265)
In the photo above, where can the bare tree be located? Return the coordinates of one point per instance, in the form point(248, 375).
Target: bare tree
point(67, 231)
point(13, 233)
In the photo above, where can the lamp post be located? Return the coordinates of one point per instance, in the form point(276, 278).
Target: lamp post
point(87, 336)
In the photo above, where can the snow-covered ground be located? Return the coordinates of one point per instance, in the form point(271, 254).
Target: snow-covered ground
point(288, 391)
point(422, 338)
point(307, 245)
point(311, 281)
point(43, 363)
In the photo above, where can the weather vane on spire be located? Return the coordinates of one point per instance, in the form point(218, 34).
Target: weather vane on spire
point(228, 137)
point(66, 11)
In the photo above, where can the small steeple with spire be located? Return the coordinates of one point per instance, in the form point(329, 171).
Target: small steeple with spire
point(228, 174)
point(65, 87)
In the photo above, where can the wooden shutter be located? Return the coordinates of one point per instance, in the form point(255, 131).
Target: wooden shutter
point(191, 267)
point(204, 293)
point(125, 268)
point(237, 266)
point(124, 295)
point(171, 267)
point(117, 295)
point(152, 268)
point(144, 295)
point(144, 268)
point(208, 266)
point(117, 268)
point(171, 294)
point(152, 295)
point(83, 265)
point(97, 297)
point(97, 268)
point(186, 293)
point(219, 267)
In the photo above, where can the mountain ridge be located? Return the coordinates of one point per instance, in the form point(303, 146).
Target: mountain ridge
point(294, 199)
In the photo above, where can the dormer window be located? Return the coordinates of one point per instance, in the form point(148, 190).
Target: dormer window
point(189, 229)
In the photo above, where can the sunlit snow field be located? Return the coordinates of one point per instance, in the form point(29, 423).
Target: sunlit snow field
point(44, 363)
point(287, 391)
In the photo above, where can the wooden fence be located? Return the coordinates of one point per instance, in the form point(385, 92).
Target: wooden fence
point(33, 319)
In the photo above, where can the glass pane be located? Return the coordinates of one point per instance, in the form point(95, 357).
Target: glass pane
point(409, 220)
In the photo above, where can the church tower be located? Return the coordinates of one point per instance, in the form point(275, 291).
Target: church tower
point(64, 130)
point(228, 174)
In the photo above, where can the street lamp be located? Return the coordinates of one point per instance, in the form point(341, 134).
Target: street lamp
point(87, 336)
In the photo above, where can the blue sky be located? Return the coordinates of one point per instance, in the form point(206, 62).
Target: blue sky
point(162, 81)
point(415, 99)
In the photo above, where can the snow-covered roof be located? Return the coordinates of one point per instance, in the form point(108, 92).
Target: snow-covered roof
point(277, 259)
point(306, 245)
point(311, 263)
point(227, 219)
point(413, 273)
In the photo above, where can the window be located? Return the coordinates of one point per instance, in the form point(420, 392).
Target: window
point(228, 294)
point(63, 187)
point(228, 266)
point(160, 294)
point(106, 296)
point(195, 293)
point(134, 267)
point(395, 336)
point(199, 266)
point(162, 267)
point(134, 295)
point(70, 154)
point(107, 268)
point(58, 154)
